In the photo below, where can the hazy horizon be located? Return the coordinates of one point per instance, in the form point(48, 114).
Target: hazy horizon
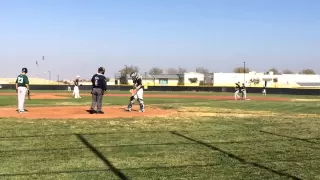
point(76, 37)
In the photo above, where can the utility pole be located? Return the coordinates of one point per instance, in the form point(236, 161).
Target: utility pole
point(244, 72)
point(58, 79)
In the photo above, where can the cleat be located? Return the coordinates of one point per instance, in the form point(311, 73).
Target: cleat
point(128, 109)
point(92, 111)
point(100, 112)
point(141, 110)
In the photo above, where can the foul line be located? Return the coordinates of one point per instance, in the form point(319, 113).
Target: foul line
point(102, 157)
point(236, 157)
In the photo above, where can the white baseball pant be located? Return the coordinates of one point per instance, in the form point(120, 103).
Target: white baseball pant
point(21, 97)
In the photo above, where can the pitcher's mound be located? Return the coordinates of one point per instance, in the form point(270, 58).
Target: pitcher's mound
point(80, 112)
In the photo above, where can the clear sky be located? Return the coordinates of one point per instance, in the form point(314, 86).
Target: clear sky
point(76, 36)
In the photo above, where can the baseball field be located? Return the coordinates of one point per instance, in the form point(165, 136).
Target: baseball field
point(185, 135)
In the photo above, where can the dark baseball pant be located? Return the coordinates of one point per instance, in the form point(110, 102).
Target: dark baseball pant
point(97, 95)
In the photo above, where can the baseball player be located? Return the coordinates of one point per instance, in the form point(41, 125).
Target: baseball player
point(264, 91)
point(236, 94)
point(243, 92)
point(76, 91)
point(99, 86)
point(22, 86)
point(138, 95)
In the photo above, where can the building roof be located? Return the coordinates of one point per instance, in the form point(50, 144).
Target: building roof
point(166, 76)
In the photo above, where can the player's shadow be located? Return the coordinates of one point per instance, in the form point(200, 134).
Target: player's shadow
point(124, 109)
point(90, 112)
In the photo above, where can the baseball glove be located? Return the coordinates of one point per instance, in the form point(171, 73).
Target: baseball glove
point(133, 91)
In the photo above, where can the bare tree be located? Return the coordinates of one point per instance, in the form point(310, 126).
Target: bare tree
point(202, 70)
point(155, 71)
point(275, 71)
point(241, 70)
point(307, 71)
point(125, 71)
point(182, 70)
point(207, 75)
point(172, 71)
point(287, 71)
point(128, 69)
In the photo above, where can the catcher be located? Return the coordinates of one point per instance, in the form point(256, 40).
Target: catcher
point(136, 93)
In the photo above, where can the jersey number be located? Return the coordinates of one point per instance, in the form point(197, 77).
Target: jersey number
point(96, 82)
point(20, 80)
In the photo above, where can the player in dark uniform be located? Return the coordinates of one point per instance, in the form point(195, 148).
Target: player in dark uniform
point(99, 86)
point(236, 93)
point(137, 85)
point(243, 92)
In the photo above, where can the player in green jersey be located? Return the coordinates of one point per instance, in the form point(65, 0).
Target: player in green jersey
point(22, 86)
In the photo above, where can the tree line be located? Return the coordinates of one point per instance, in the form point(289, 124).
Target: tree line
point(159, 71)
point(207, 75)
point(205, 71)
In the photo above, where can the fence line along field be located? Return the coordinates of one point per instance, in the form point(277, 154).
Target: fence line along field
point(179, 136)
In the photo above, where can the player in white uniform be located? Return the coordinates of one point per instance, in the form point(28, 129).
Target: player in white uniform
point(237, 90)
point(137, 85)
point(76, 91)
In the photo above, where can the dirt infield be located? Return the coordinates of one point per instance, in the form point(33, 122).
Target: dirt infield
point(174, 96)
point(80, 112)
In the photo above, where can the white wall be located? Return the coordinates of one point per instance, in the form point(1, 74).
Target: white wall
point(188, 75)
point(290, 79)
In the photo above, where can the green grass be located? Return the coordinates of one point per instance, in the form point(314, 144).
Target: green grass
point(177, 92)
point(272, 142)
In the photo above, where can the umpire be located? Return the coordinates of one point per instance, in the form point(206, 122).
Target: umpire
point(99, 86)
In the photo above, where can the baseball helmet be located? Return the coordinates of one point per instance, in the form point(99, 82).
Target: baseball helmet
point(101, 69)
point(25, 70)
point(133, 75)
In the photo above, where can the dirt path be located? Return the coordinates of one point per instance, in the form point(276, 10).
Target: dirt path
point(69, 95)
point(80, 112)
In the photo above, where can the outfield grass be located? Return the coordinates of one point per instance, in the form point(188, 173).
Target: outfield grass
point(174, 93)
point(211, 139)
